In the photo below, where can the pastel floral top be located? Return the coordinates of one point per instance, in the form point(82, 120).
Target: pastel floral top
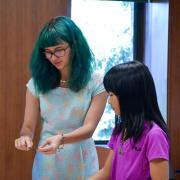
point(62, 109)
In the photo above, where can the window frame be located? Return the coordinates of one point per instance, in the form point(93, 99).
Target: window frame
point(138, 42)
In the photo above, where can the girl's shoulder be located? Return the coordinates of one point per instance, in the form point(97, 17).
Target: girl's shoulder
point(114, 140)
point(155, 127)
point(155, 132)
point(156, 143)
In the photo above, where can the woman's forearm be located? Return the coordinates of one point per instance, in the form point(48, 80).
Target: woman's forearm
point(79, 134)
point(25, 131)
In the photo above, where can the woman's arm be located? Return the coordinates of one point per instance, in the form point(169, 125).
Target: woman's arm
point(93, 116)
point(92, 119)
point(24, 142)
point(105, 172)
point(159, 169)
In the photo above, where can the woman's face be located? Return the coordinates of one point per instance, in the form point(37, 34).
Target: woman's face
point(59, 56)
point(114, 102)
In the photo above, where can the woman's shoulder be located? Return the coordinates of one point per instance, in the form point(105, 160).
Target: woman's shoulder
point(32, 87)
point(30, 83)
point(96, 79)
point(97, 76)
point(95, 84)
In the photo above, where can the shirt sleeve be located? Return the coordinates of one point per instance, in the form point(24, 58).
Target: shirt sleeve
point(157, 145)
point(97, 84)
point(31, 87)
point(112, 142)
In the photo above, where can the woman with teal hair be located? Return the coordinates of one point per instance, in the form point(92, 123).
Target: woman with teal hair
point(68, 97)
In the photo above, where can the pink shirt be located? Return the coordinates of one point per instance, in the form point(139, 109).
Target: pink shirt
point(133, 163)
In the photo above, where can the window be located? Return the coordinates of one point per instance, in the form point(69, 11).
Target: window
point(108, 27)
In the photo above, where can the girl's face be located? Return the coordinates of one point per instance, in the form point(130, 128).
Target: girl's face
point(114, 102)
point(59, 56)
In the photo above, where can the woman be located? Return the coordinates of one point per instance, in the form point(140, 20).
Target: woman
point(70, 100)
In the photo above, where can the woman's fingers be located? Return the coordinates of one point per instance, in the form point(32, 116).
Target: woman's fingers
point(23, 143)
point(46, 143)
point(48, 152)
point(16, 143)
point(19, 144)
point(28, 142)
point(48, 148)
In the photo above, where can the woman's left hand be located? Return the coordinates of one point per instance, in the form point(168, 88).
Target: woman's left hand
point(51, 145)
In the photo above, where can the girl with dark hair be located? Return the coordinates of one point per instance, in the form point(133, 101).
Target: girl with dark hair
point(70, 99)
point(139, 148)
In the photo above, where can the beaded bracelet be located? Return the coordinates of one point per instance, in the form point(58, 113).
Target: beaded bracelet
point(61, 146)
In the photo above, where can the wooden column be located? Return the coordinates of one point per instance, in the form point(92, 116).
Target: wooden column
point(174, 84)
point(20, 22)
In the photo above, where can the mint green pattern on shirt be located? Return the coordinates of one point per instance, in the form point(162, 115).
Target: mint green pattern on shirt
point(64, 110)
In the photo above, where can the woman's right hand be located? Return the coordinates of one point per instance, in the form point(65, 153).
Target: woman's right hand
point(24, 143)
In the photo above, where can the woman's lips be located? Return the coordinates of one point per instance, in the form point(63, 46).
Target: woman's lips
point(57, 63)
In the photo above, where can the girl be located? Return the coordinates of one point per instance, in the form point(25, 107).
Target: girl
point(139, 143)
point(70, 100)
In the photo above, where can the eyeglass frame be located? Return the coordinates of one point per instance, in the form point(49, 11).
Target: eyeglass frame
point(54, 53)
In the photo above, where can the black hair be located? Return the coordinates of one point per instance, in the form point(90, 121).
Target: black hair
point(134, 86)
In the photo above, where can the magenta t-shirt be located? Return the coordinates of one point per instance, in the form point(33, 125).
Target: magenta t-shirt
point(133, 163)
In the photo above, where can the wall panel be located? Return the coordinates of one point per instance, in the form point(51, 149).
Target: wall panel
point(20, 22)
point(174, 84)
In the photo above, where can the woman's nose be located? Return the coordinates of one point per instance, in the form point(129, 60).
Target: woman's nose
point(53, 57)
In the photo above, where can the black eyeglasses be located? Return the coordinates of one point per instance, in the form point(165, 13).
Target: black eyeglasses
point(59, 52)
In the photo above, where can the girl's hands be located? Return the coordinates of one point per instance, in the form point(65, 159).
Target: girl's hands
point(24, 143)
point(51, 145)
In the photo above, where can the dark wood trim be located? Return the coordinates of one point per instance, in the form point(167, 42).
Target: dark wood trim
point(139, 30)
point(174, 85)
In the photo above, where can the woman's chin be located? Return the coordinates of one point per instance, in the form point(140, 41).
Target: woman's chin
point(59, 67)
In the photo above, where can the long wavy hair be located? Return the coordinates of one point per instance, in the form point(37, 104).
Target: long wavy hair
point(46, 76)
point(133, 84)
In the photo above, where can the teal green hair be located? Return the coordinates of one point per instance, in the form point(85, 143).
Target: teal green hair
point(56, 31)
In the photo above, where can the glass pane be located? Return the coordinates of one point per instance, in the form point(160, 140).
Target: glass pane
point(108, 27)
